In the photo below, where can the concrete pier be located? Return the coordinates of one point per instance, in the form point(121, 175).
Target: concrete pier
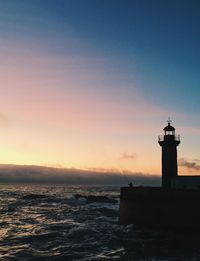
point(159, 207)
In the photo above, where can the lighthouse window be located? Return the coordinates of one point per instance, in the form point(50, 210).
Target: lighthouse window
point(169, 133)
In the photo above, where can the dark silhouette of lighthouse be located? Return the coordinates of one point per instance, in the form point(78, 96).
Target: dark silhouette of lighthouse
point(169, 142)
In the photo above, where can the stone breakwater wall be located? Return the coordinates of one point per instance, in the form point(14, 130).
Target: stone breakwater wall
point(158, 207)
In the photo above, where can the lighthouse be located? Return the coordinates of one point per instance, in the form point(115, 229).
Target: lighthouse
point(169, 142)
point(175, 205)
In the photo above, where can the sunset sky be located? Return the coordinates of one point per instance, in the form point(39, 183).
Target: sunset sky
point(90, 83)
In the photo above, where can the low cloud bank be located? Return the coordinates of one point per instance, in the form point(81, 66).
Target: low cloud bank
point(49, 175)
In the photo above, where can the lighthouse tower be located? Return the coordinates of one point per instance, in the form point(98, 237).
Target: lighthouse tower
point(169, 142)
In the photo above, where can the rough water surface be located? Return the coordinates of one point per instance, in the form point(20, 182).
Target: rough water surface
point(40, 222)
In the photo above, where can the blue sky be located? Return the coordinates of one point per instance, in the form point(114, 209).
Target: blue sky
point(157, 41)
point(137, 52)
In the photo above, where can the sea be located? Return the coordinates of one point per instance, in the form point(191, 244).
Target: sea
point(66, 222)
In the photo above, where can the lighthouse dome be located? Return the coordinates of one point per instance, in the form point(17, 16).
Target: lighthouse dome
point(169, 127)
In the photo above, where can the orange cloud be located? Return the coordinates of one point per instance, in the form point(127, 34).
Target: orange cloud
point(192, 165)
point(128, 156)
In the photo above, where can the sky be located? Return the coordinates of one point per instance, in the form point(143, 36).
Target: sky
point(90, 84)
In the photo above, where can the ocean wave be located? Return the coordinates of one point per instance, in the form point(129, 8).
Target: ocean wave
point(62, 226)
